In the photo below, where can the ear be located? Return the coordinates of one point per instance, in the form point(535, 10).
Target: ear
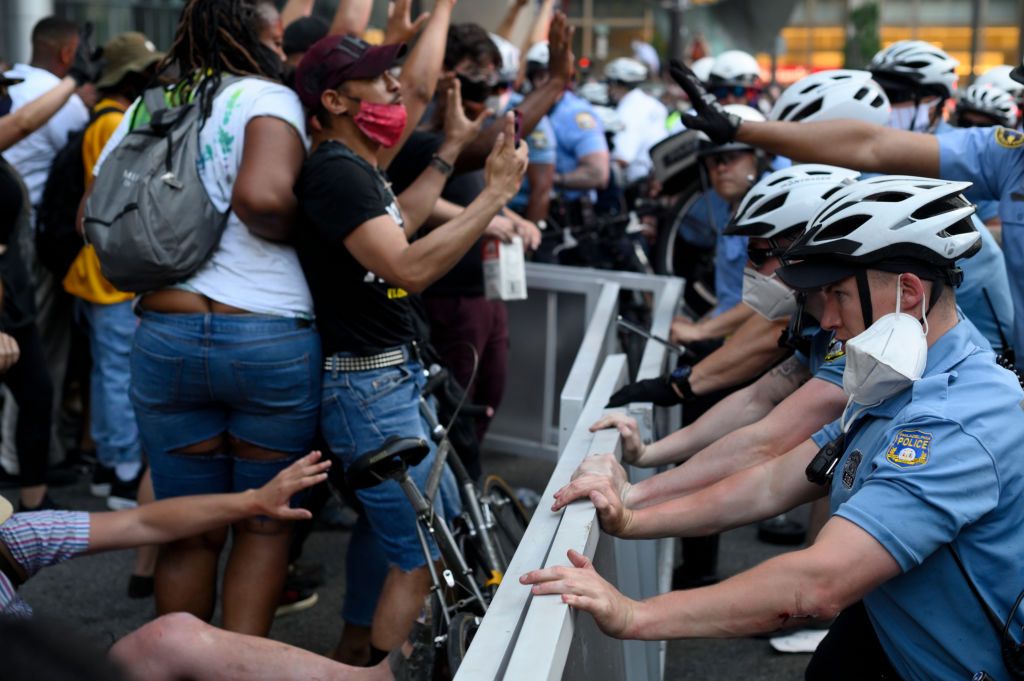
point(67, 54)
point(333, 102)
point(912, 292)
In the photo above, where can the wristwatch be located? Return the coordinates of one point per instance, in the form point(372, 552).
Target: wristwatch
point(680, 378)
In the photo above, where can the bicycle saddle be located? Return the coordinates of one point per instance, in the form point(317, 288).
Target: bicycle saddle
point(387, 462)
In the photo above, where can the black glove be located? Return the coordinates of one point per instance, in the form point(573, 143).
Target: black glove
point(708, 115)
point(88, 62)
point(657, 390)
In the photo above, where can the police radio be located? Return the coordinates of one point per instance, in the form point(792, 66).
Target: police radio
point(821, 468)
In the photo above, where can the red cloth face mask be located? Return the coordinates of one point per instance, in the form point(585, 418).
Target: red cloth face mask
point(383, 123)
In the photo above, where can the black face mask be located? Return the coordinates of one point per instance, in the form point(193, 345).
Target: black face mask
point(474, 90)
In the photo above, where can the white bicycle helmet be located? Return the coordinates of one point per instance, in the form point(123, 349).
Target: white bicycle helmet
point(915, 65)
point(1001, 78)
point(735, 67)
point(893, 218)
point(702, 68)
point(539, 54)
point(509, 70)
point(625, 70)
point(782, 202)
point(595, 93)
point(991, 101)
point(828, 95)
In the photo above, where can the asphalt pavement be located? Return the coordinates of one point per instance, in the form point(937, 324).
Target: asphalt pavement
point(90, 592)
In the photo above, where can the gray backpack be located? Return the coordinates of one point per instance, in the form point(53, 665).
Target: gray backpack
point(149, 216)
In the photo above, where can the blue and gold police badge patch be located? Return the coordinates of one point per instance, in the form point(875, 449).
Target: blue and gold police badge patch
point(835, 350)
point(585, 121)
point(909, 449)
point(1009, 139)
point(539, 140)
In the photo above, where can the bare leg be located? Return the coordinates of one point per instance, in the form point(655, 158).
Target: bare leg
point(179, 647)
point(400, 603)
point(255, 574)
point(145, 556)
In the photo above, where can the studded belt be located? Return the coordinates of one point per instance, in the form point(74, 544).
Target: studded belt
point(382, 360)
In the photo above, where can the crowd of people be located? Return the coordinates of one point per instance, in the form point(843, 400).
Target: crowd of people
point(275, 280)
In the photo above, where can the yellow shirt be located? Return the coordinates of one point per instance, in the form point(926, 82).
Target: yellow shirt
point(84, 278)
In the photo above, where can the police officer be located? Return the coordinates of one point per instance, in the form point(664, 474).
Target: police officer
point(989, 157)
point(918, 77)
point(581, 165)
point(643, 117)
point(924, 486)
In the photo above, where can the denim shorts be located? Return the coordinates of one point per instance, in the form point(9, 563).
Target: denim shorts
point(197, 376)
point(359, 411)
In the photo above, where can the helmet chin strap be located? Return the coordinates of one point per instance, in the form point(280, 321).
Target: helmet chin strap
point(864, 293)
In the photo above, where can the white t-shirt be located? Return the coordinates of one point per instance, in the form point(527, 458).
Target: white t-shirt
point(33, 156)
point(643, 118)
point(245, 271)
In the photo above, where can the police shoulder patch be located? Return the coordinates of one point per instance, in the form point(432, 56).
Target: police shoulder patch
point(1009, 139)
point(539, 140)
point(585, 121)
point(910, 448)
point(835, 350)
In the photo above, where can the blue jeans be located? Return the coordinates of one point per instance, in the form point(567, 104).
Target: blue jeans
point(255, 378)
point(359, 411)
point(112, 419)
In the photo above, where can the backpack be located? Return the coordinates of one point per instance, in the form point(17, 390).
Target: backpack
point(149, 216)
point(57, 241)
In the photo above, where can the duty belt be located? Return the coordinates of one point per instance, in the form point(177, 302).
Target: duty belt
point(382, 360)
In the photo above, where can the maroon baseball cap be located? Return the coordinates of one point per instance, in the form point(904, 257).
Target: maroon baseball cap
point(335, 59)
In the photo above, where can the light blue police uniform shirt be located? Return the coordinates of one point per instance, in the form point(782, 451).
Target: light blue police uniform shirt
point(937, 464)
point(826, 358)
point(578, 133)
point(703, 225)
point(986, 209)
point(541, 144)
point(991, 158)
point(985, 272)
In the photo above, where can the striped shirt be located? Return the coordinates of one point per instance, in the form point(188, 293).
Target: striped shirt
point(37, 540)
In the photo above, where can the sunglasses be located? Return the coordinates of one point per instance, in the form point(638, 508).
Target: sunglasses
point(723, 91)
point(759, 256)
point(724, 159)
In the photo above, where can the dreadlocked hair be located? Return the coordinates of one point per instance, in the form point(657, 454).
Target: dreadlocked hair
point(216, 37)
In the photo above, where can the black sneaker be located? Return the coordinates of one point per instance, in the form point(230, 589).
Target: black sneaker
point(124, 495)
point(140, 586)
point(102, 480)
point(306, 576)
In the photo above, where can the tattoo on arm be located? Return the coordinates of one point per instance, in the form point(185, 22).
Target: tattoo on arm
point(787, 377)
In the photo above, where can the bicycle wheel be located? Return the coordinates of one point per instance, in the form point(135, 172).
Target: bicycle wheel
point(460, 635)
point(510, 518)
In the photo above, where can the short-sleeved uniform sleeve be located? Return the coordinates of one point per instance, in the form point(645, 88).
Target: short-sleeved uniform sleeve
point(969, 154)
point(919, 490)
point(541, 142)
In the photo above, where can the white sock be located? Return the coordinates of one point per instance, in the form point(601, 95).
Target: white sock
point(127, 471)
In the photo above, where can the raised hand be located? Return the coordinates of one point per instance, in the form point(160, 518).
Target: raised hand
point(633, 446)
point(273, 498)
point(582, 588)
point(506, 164)
point(708, 115)
point(561, 59)
point(459, 130)
point(401, 28)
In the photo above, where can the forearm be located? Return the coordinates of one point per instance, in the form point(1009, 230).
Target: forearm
point(171, 519)
point(541, 178)
point(851, 144)
point(541, 23)
point(427, 259)
point(739, 409)
point(534, 107)
point(420, 72)
point(742, 358)
point(351, 18)
point(508, 22)
point(585, 176)
point(725, 323)
point(443, 211)
point(296, 9)
point(418, 200)
point(765, 598)
point(18, 125)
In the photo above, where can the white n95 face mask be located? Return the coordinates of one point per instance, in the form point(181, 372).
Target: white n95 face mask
point(887, 357)
point(916, 119)
point(768, 296)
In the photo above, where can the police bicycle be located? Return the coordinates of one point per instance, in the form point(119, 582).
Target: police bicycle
point(476, 547)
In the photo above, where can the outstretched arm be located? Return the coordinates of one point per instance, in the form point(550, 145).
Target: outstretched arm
point(753, 347)
point(508, 22)
point(18, 125)
point(170, 519)
point(296, 9)
point(815, 583)
point(351, 18)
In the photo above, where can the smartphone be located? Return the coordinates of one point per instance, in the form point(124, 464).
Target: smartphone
point(519, 126)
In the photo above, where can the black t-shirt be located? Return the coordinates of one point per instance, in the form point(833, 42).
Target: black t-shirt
point(356, 311)
point(467, 277)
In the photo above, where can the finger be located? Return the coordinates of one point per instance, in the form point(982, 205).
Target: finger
point(294, 514)
point(578, 559)
point(483, 116)
point(391, 9)
point(510, 131)
point(542, 575)
point(420, 21)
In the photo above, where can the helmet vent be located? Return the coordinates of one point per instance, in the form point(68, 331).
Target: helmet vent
point(937, 207)
point(830, 192)
point(888, 197)
point(841, 228)
point(784, 116)
point(771, 205)
point(809, 110)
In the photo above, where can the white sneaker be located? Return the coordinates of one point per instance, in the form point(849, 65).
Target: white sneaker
point(798, 641)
